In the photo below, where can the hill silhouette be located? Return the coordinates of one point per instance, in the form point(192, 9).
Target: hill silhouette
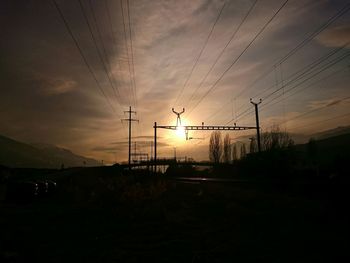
point(331, 133)
point(331, 151)
point(21, 155)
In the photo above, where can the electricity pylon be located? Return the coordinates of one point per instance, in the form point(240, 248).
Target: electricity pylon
point(178, 114)
point(130, 120)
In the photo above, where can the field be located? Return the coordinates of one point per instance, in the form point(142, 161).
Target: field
point(103, 215)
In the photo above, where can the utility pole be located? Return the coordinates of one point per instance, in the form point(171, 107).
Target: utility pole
point(130, 120)
point(256, 104)
point(155, 147)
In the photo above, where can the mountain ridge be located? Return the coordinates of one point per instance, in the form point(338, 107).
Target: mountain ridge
point(18, 154)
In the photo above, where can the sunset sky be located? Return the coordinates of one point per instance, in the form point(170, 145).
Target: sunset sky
point(48, 94)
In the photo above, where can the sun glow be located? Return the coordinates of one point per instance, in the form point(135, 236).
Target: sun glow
point(180, 133)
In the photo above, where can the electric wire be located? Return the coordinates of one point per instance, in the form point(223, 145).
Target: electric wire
point(70, 32)
point(320, 70)
point(328, 105)
point(127, 53)
point(212, 87)
point(222, 51)
point(113, 34)
point(306, 68)
point(199, 54)
point(110, 21)
point(292, 52)
point(139, 129)
point(310, 85)
point(329, 64)
point(333, 18)
point(318, 122)
point(103, 48)
point(305, 41)
point(97, 48)
point(132, 54)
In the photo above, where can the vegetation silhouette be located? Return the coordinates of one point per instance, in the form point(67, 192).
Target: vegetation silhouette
point(215, 147)
point(294, 194)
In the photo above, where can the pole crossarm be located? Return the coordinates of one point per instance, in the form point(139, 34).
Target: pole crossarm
point(205, 127)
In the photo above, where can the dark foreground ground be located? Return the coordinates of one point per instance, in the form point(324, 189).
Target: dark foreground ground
point(100, 215)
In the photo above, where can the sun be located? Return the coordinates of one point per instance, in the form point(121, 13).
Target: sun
point(180, 133)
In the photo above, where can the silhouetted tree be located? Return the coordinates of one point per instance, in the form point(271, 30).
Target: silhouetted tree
point(227, 149)
point(215, 147)
point(234, 153)
point(275, 139)
point(243, 151)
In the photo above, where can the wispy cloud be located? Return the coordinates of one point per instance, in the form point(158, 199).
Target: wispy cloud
point(335, 36)
point(57, 87)
point(328, 103)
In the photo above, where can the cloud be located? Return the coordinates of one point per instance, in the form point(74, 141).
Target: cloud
point(335, 37)
point(50, 86)
point(61, 87)
point(328, 103)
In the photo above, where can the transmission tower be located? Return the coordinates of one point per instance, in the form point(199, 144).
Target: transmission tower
point(178, 114)
point(130, 120)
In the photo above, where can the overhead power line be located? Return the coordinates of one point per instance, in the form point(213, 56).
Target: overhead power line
point(223, 51)
point(132, 54)
point(330, 64)
point(70, 32)
point(199, 54)
point(97, 48)
point(321, 28)
point(139, 130)
point(218, 57)
point(239, 56)
point(103, 47)
point(309, 70)
point(322, 121)
point(328, 105)
point(132, 95)
point(316, 32)
point(115, 46)
point(304, 42)
point(306, 87)
point(305, 70)
point(320, 70)
point(110, 21)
